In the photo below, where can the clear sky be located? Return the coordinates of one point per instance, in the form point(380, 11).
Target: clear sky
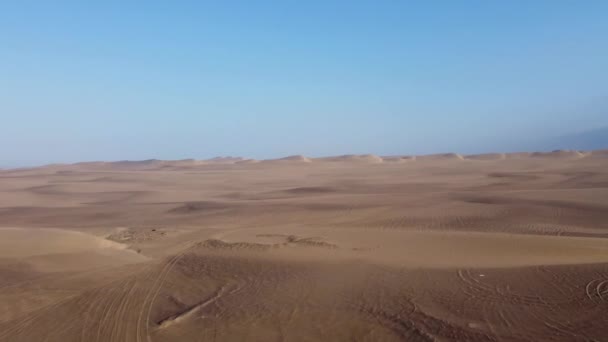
point(109, 80)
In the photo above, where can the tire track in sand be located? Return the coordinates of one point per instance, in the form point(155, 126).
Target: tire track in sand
point(146, 306)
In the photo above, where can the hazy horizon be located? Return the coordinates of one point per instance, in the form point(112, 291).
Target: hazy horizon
point(596, 139)
point(119, 81)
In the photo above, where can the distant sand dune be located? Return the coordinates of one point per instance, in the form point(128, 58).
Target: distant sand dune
point(184, 164)
point(247, 161)
point(486, 156)
point(358, 158)
point(558, 154)
point(290, 159)
point(440, 157)
point(224, 160)
point(517, 155)
point(398, 159)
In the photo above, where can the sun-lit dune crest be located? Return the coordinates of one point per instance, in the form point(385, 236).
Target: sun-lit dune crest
point(558, 154)
point(486, 156)
point(359, 158)
point(223, 160)
point(298, 158)
point(181, 164)
point(398, 159)
point(440, 157)
point(147, 162)
point(247, 161)
point(188, 161)
point(293, 159)
point(122, 164)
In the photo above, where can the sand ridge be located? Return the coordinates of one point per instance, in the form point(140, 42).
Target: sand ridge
point(193, 164)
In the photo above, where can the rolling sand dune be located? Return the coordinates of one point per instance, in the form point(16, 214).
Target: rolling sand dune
point(290, 159)
point(63, 250)
point(493, 247)
point(247, 161)
point(559, 154)
point(225, 160)
point(440, 157)
point(486, 156)
point(359, 158)
point(398, 159)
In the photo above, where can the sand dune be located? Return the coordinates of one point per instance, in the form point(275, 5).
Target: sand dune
point(137, 164)
point(430, 249)
point(518, 155)
point(224, 160)
point(398, 159)
point(247, 161)
point(184, 164)
point(290, 159)
point(558, 154)
point(359, 158)
point(440, 157)
point(486, 156)
point(56, 250)
point(492, 247)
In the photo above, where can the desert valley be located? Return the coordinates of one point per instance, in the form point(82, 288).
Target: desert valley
point(493, 247)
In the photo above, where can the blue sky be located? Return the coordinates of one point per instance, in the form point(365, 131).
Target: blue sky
point(178, 79)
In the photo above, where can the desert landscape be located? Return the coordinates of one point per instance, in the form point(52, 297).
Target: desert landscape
point(446, 247)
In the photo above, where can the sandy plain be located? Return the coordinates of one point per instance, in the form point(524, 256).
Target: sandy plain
point(494, 247)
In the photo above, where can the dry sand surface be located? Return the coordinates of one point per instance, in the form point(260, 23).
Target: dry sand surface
point(494, 247)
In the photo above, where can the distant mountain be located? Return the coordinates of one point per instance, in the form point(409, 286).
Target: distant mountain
point(596, 139)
